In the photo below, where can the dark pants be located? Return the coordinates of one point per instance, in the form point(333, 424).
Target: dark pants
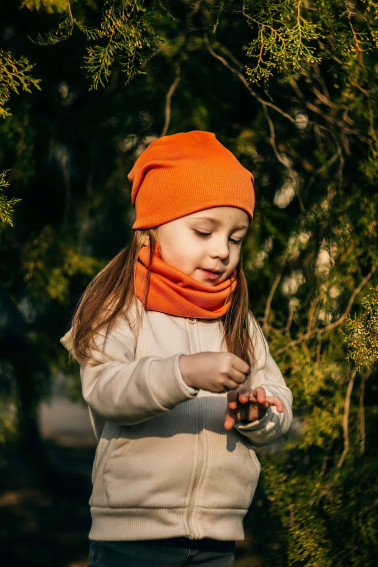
point(175, 552)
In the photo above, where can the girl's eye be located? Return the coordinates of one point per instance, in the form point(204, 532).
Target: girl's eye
point(202, 234)
point(207, 234)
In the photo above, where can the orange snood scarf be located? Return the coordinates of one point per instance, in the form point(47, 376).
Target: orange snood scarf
point(175, 293)
point(176, 176)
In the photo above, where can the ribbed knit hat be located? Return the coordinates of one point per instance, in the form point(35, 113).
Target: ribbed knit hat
point(184, 173)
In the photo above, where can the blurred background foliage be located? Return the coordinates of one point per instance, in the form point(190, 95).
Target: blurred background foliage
point(290, 87)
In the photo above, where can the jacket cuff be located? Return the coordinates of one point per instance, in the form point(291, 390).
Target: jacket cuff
point(258, 424)
point(171, 389)
point(191, 391)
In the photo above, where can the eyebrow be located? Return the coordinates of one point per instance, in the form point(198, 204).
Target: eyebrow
point(218, 222)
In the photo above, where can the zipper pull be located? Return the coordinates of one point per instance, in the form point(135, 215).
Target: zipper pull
point(192, 321)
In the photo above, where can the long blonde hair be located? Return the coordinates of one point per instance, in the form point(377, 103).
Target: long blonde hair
point(112, 292)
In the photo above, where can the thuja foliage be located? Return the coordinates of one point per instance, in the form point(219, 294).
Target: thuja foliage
point(40, 272)
point(294, 34)
point(286, 35)
point(50, 6)
point(124, 34)
point(362, 333)
point(15, 77)
point(6, 204)
point(289, 87)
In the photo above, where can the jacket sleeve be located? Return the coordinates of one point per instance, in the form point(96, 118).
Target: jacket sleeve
point(128, 391)
point(265, 373)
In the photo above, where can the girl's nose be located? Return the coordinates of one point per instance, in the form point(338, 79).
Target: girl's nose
point(220, 249)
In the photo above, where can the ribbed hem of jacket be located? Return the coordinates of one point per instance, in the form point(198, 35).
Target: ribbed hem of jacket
point(134, 524)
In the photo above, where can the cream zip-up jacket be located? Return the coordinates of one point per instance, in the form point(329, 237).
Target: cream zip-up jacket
point(164, 465)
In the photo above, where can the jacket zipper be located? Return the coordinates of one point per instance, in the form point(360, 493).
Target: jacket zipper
point(195, 348)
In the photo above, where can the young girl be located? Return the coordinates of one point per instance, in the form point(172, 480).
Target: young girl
point(177, 375)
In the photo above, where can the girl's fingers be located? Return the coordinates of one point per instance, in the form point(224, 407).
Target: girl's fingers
point(230, 386)
point(260, 395)
point(229, 420)
point(259, 402)
point(273, 401)
point(240, 395)
point(267, 401)
point(237, 376)
point(241, 365)
point(232, 399)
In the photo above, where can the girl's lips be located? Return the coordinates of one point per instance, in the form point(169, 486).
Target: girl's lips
point(210, 275)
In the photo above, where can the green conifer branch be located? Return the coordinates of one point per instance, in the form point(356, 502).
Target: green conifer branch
point(125, 35)
point(62, 32)
point(361, 333)
point(130, 41)
point(291, 36)
point(15, 75)
point(6, 205)
point(284, 38)
point(49, 6)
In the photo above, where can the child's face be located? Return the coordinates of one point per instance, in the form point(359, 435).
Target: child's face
point(204, 245)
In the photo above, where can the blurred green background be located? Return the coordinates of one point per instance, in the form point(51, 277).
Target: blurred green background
point(290, 87)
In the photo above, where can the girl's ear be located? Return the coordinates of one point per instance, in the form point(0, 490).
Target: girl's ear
point(147, 237)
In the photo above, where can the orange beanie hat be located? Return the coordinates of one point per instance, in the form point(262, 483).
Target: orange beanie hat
point(184, 173)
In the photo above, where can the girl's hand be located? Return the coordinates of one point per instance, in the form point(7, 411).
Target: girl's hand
point(244, 404)
point(215, 372)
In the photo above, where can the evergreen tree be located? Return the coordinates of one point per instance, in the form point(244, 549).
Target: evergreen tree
point(289, 87)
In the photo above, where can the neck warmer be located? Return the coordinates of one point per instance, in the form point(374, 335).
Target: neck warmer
point(175, 293)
